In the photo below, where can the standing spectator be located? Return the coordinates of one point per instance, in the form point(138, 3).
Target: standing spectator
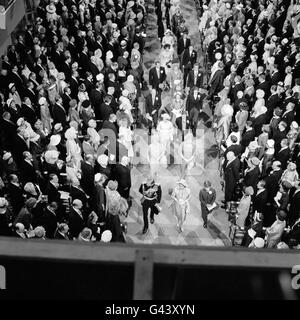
point(207, 197)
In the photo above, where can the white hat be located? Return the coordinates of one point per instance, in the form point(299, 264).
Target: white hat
point(58, 127)
point(11, 85)
point(106, 236)
point(20, 121)
point(114, 25)
point(123, 43)
point(294, 125)
point(270, 143)
point(109, 54)
point(97, 177)
point(9, 101)
point(100, 77)
point(166, 116)
point(55, 139)
point(125, 93)
point(6, 156)
point(284, 41)
point(103, 159)
point(260, 94)
point(258, 242)
point(51, 156)
point(70, 134)
point(42, 101)
point(218, 56)
point(51, 8)
point(130, 78)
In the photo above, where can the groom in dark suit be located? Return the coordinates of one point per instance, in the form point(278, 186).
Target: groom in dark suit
point(157, 76)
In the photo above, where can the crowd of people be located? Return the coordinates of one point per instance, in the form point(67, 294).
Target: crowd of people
point(73, 90)
point(253, 50)
point(70, 86)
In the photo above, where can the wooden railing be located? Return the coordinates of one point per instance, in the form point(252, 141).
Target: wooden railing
point(145, 257)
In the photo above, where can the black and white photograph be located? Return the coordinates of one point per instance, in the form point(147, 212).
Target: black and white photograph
point(149, 152)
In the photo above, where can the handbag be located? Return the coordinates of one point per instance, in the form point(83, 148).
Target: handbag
point(156, 209)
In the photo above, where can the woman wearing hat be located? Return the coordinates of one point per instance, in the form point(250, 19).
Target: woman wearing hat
point(241, 117)
point(224, 124)
point(115, 207)
point(14, 110)
point(166, 57)
point(181, 206)
point(262, 140)
point(290, 175)
point(168, 39)
point(243, 208)
point(274, 233)
point(165, 130)
point(176, 77)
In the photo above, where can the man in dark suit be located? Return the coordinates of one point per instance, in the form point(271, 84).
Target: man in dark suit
point(207, 196)
point(152, 106)
point(289, 115)
point(20, 145)
point(231, 175)
point(66, 99)
point(87, 174)
point(272, 102)
point(28, 171)
point(261, 198)
point(76, 192)
point(216, 83)
point(110, 126)
point(157, 75)
point(52, 189)
point(8, 131)
point(28, 112)
point(76, 219)
point(235, 147)
point(283, 154)
point(74, 84)
point(104, 110)
point(272, 181)
point(189, 58)
point(122, 175)
point(183, 43)
point(252, 173)
point(96, 96)
point(263, 85)
point(50, 219)
point(59, 113)
point(276, 75)
point(195, 78)
point(248, 136)
point(15, 194)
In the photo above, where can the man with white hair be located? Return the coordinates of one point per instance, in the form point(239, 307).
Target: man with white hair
point(76, 219)
point(98, 198)
point(231, 170)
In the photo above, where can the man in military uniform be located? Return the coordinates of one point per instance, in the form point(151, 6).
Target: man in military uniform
point(151, 192)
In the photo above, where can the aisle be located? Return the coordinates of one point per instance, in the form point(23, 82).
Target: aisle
point(164, 230)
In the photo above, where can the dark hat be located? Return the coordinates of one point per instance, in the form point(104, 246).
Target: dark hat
point(278, 112)
point(86, 104)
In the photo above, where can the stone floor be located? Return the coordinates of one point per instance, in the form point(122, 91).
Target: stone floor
point(164, 230)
